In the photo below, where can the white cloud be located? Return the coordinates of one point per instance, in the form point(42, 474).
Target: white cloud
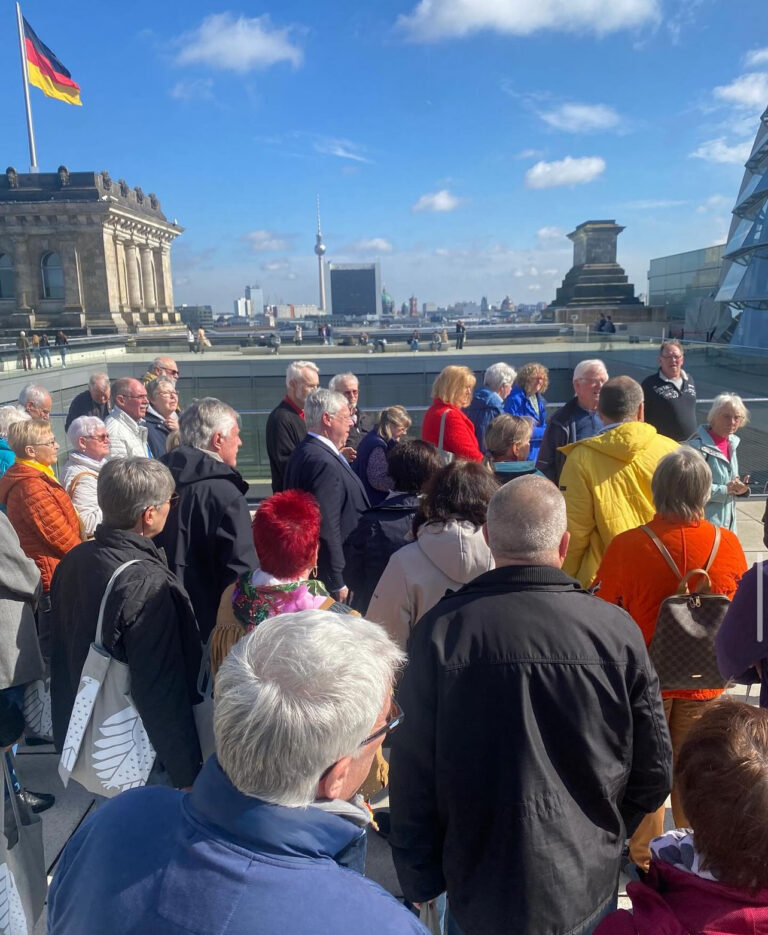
point(568, 171)
point(747, 91)
point(437, 201)
point(652, 204)
point(581, 118)
point(532, 271)
point(550, 272)
point(719, 151)
point(276, 266)
point(756, 57)
point(432, 20)
point(238, 44)
point(373, 245)
point(264, 241)
point(200, 89)
point(548, 234)
point(344, 149)
point(715, 203)
point(518, 274)
point(534, 287)
point(529, 154)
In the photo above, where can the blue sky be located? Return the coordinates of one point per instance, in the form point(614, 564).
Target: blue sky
point(456, 141)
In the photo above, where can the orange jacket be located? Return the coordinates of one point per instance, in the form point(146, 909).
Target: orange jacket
point(42, 515)
point(634, 575)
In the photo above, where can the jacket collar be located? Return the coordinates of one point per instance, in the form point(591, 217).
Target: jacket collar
point(121, 539)
point(522, 578)
point(120, 415)
point(708, 443)
point(273, 830)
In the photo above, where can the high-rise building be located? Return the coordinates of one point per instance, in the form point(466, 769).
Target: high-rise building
point(413, 306)
point(681, 281)
point(355, 290)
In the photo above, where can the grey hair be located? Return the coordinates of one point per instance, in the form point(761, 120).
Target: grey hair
point(98, 379)
point(682, 484)
point(584, 365)
point(127, 486)
point(318, 403)
point(158, 362)
point(671, 342)
point(154, 386)
point(728, 399)
point(33, 393)
point(203, 418)
point(620, 399)
point(296, 695)
point(9, 415)
point(122, 386)
point(498, 374)
point(525, 518)
point(82, 427)
point(295, 368)
point(335, 382)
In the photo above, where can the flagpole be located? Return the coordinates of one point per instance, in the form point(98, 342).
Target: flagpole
point(24, 74)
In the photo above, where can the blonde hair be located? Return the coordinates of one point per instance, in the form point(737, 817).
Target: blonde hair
point(451, 384)
point(528, 371)
point(504, 431)
point(392, 416)
point(23, 434)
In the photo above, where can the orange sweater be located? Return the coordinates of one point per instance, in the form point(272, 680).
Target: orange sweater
point(634, 575)
point(42, 515)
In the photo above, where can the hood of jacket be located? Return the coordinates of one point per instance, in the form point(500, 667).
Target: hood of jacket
point(623, 442)
point(675, 902)
point(457, 548)
point(19, 473)
point(192, 465)
point(396, 503)
point(705, 443)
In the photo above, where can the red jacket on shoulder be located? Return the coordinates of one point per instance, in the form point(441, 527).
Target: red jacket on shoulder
point(459, 436)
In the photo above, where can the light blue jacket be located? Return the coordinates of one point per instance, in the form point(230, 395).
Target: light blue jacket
point(721, 509)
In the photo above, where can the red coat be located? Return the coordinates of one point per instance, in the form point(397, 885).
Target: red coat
point(42, 515)
point(459, 436)
point(673, 902)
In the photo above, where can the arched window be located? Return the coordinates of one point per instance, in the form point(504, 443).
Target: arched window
point(53, 277)
point(6, 277)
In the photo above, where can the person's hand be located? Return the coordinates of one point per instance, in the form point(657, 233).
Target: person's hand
point(341, 595)
point(738, 487)
point(349, 453)
point(172, 421)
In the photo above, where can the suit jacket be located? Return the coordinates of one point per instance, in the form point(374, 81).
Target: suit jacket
point(341, 496)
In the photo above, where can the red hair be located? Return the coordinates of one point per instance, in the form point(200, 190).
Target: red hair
point(286, 533)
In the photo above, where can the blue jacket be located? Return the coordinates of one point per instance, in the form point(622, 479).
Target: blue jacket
point(370, 441)
point(518, 404)
point(7, 457)
point(156, 861)
point(721, 508)
point(483, 409)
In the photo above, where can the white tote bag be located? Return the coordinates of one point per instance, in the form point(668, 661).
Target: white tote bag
point(106, 749)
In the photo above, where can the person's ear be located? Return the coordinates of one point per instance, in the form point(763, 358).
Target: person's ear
point(332, 785)
point(562, 549)
point(216, 439)
point(641, 412)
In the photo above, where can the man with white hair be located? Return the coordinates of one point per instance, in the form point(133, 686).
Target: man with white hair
point(36, 401)
point(285, 425)
point(303, 702)
point(125, 423)
point(348, 385)
point(575, 420)
point(318, 467)
point(535, 739)
point(93, 401)
point(488, 401)
point(207, 537)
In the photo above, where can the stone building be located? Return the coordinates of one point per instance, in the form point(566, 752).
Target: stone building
point(79, 250)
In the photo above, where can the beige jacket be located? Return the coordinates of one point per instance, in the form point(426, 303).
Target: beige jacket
point(443, 558)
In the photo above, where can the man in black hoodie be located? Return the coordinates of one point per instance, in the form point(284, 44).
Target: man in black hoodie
point(207, 539)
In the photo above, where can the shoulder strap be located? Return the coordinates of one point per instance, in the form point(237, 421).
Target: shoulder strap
point(442, 431)
point(76, 480)
point(663, 549)
point(715, 547)
point(110, 584)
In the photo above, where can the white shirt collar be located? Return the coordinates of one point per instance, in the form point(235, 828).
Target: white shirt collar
point(326, 441)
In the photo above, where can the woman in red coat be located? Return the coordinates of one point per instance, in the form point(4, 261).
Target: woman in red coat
point(451, 392)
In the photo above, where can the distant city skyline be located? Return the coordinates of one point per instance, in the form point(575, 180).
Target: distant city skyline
point(453, 143)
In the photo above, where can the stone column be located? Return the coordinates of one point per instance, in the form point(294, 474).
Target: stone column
point(150, 295)
point(26, 283)
point(132, 262)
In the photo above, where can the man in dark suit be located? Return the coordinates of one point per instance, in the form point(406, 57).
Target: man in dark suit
point(317, 466)
point(285, 425)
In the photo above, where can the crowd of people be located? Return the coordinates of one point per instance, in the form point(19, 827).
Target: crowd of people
point(487, 594)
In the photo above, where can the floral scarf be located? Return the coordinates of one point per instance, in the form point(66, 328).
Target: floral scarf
point(258, 596)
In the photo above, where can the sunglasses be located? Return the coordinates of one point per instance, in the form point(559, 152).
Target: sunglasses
point(104, 437)
point(395, 719)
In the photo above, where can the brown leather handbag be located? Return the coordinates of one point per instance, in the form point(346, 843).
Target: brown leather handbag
point(683, 646)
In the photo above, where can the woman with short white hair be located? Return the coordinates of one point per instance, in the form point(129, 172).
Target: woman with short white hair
point(89, 442)
point(9, 415)
point(717, 441)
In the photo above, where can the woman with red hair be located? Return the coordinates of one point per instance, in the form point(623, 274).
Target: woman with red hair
point(286, 535)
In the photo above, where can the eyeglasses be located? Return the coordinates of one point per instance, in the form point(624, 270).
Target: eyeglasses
point(49, 443)
point(104, 437)
point(396, 718)
point(173, 373)
point(671, 356)
point(350, 392)
point(173, 501)
point(132, 396)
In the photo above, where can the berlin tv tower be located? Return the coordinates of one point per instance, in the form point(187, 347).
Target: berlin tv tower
point(320, 251)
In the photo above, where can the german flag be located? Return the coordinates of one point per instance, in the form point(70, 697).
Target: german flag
point(46, 72)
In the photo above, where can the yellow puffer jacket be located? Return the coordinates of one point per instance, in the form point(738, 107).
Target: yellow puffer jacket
point(606, 483)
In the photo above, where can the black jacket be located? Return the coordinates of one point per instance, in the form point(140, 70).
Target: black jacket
point(83, 405)
point(207, 538)
point(157, 434)
point(362, 425)
point(382, 530)
point(534, 742)
point(340, 494)
point(562, 429)
point(670, 411)
point(285, 429)
point(149, 624)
